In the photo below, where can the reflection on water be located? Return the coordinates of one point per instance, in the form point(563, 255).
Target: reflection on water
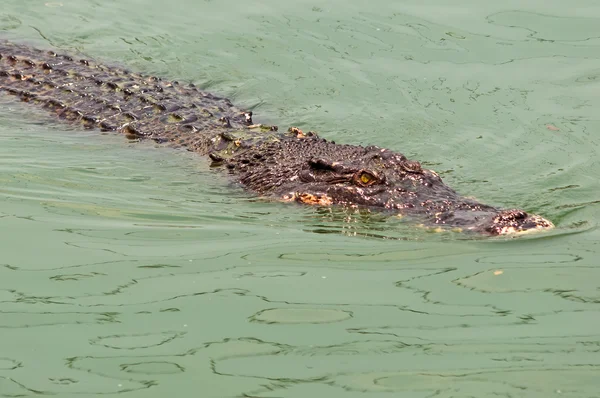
point(135, 270)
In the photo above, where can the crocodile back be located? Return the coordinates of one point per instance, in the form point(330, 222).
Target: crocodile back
point(84, 92)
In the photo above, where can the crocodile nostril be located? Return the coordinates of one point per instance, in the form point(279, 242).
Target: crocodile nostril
point(512, 215)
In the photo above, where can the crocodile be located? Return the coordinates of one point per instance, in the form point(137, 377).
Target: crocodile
point(288, 165)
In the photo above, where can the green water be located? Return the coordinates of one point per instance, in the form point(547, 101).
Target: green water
point(136, 270)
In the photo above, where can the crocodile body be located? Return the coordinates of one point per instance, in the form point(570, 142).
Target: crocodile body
point(290, 165)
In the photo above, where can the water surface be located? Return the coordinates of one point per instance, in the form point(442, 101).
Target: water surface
point(137, 270)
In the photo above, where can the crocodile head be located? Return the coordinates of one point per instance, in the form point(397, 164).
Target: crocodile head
point(371, 176)
point(324, 173)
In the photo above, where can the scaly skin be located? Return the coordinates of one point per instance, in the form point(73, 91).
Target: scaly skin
point(290, 166)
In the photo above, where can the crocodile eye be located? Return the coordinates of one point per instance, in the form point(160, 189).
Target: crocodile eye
point(364, 178)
